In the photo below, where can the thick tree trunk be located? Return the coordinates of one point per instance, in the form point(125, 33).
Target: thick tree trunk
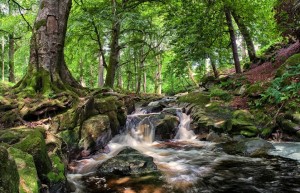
point(2, 58)
point(233, 41)
point(81, 79)
point(114, 48)
point(246, 35)
point(47, 69)
point(11, 58)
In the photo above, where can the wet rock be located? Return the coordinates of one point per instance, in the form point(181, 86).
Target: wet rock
point(254, 147)
point(166, 128)
point(128, 162)
point(218, 138)
point(9, 178)
point(289, 126)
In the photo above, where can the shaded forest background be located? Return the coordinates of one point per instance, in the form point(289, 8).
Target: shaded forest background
point(154, 46)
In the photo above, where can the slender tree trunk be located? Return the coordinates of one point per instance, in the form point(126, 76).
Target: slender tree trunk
point(2, 57)
point(233, 41)
point(191, 75)
point(158, 79)
point(100, 71)
point(120, 80)
point(145, 82)
point(114, 48)
point(246, 35)
point(82, 82)
point(214, 67)
point(47, 69)
point(11, 58)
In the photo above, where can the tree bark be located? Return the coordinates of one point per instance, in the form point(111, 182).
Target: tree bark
point(2, 58)
point(233, 41)
point(100, 71)
point(47, 70)
point(246, 35)
point(214, 67)
point(11, 58)
point(114, 48)
point(158, 81)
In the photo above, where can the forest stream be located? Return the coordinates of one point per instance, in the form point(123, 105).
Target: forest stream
point(139, 160)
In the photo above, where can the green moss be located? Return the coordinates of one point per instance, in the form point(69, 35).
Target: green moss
point(255, 89)
point(58, 170)
point(71, 137)
point(9, 177)
point(27, 171)
point(106, 104)
point(248, 133)
point(34, 144)
point(220, 93)
point(9, 137)
point(195, 98)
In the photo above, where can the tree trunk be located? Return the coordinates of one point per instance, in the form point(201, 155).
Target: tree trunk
point(120, 80)
point(81, 79)
point(145, 82)
point(114, 48)
point(246, 35)
point(158, 81)
point(191, 75)
point(100, 71)
point(11, 58)
point(233, 41)
point(2, 58)
point(47, 70)
point(214, 67)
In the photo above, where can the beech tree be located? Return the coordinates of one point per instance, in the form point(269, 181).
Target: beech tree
point(47, 71)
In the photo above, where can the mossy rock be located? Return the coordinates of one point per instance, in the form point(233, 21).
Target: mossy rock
point(106, 104)
point(243, 115)
point(195, 98)
point(252, 147)
point(34, 144)
point(219, 93)
point(255, 90)
point(289, 126)
point(291, 61)
point(9, 178)
point(57, 175)
point(9, 136)
point(70, 137)
point(27, 171)
point(95, 131)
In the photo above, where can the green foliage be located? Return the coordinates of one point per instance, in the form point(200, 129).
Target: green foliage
point(283, 88)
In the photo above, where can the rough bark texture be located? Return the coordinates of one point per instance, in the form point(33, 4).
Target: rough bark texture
point(47, 69)
point(114, 48)
point(246, 35)
point(233, 41)
point(100, 71)
point(11, 57)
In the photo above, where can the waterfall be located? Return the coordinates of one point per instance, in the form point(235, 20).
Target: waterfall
point(184, 132)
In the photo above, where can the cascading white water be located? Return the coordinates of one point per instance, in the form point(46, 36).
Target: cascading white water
point(184, 132)
point(185, 162)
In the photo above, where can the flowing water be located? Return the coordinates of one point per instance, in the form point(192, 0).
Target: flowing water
point(189, 165)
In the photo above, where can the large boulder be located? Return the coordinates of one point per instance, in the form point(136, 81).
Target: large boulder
point(95, 132)
point(34, 144)
point(9, 178)
point(128, 162)
point(252, 147)
point(26, 170)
